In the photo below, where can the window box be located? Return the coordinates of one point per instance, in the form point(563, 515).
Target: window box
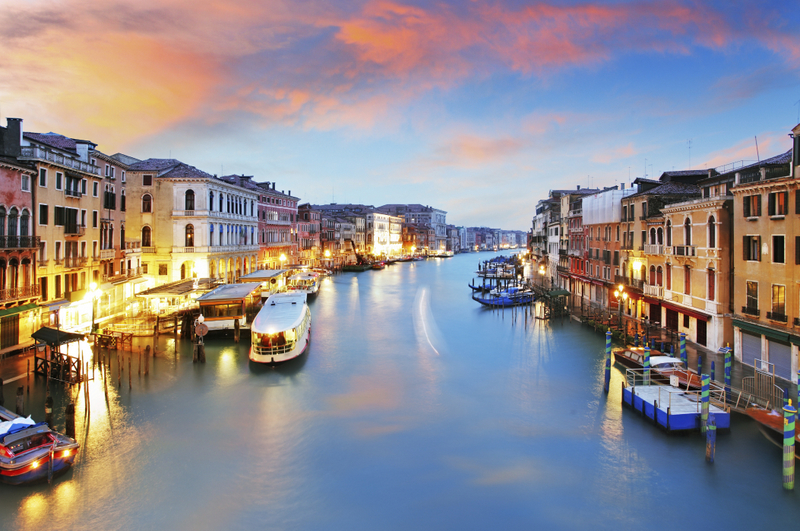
point(777, 317)
point(750, 311)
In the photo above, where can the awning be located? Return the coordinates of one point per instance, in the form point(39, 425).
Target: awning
point(651, 301)
point(687, 311)
point(769, 332)
point(53, 336)
point(18, 309)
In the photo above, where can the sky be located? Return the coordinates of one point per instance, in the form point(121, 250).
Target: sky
point(475, 107)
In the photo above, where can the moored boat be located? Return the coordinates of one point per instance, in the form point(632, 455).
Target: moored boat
point(513, 296)
point(282, 329)
point(662, 367)
point(378, 265)
point(307, 283)
point(31, 451)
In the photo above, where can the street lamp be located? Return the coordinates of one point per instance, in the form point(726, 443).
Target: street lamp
point(621, 296)
point(541, 273)
point(93, 294)
point(282, 259)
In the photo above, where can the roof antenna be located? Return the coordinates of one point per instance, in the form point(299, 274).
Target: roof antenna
point(757, 155)
point(689, 145)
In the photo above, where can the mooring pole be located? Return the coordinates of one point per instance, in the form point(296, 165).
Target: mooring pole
point(646, 366)
point(607, 381)
point(789, 413)
point(682, 343)
point(711, 439)
point(728, 353)
point(706, 381)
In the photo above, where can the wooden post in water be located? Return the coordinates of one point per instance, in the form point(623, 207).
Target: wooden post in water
point(236, 331)
point(146, 360)
point(140, 362)
point(789, 413)
point(711, 439)
point(130, 385)
point(2, 398)
point(48, 411)
point(69, 415)
point(20, 400)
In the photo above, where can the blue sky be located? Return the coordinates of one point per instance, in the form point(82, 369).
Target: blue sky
point(475, 107)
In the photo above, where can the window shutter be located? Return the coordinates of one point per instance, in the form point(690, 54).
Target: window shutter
point(771, 204)
point(758, 205)
point(745, 243)
point(746, 206)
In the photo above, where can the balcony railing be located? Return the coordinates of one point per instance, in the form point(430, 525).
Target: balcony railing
point(107, 254)
point(775, 316)
point(747, 310)
point(684, 250)
point(25, 292)
point(19, 242)
point(797, 321)
point(74, 230)
point(713, 307)
point(72, 193)
point(130, 273)
point(654, 291)
point(148, 250)
point(75, 261)
point(39, 153)
point(653, 249)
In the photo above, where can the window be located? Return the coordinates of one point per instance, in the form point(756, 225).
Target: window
point(712, 233)
point(752, 248)
point(777, 203)
point(147, 203)
point(189, 200)
point(778, 301)
point(644, 210)
point(122, 201)
point(43, 214)
point(122, 177)
point(752, 206)
point(797, 202)
point(59, 180)
point(95, 189)
point(189, 236)
point(94, 248)
point(42, 251)
point(83, 218)
point(144, 266)
point(752, 296)
point(712, 284)
point(778, 250)
point(83, 187)
point(669, 233)
point(632, 216)
point(687, 232)
point(59, 218)
point(797, 250)
point(687, 280)
point(94, 219)
point(26, 182)
point(147, 180)
point(146, 241)
point(43, 177)
point(162, 269)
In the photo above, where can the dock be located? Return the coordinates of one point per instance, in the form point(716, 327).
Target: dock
point(671, 408)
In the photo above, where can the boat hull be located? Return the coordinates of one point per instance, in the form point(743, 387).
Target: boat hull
point(301, 346)
point(26, 473)
point(504, 302)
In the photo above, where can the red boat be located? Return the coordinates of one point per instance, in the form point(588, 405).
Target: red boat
point(378, 265)
point(771, 425)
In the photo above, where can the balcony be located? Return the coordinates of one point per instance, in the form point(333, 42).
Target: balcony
point(107, 254)
point(714, 307)
point(75, 261)
point(19, 242)
point(74, 230)
point(797, 321)
point(654, 291)
point(39, 153)
point(25, 292)
point(684, 250)
point(148, 250)
point(73, 193)
point(133, 246)
point(747, 310)
point(775, 316)
point(653, 249)
point(125, 275)
point(632, 282)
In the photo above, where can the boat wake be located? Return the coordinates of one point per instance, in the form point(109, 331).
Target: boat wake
point(424, 323)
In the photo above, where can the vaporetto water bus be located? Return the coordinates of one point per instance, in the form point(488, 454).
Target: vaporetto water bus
point(225, 305)
point(307, 283)
point(282, 329)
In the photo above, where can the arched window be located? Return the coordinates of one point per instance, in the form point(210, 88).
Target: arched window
point(211, 234)
point(147, 203)
point(652, 236)
point(712, 284)
point(660, 236)
point(24, 221)
point(687, 232)
point(712, 233)
point(146, 240)
point(12, 221)
point(669, 233)
point(652, 275)
point(211, 200)
point(659, 276)
point(220, 202)
point(2, 221)
point(189, 200)
point(669, 276)
point(189, 238)
point(122, 235)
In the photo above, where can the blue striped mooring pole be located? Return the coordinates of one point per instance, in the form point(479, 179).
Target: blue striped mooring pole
point(699, 364)
point(646, 366)
point(711, 438)
point(789, 413)
point(684, 357)
point(713, 371)
point(728, 360)
point(706, 381)
point(607, 382)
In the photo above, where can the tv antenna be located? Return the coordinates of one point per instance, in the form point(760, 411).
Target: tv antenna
point(689, 146)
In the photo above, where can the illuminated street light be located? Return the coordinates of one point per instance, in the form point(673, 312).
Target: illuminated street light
point(621, 296)
point(92, 294)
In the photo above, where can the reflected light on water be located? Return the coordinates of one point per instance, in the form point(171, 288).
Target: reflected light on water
point(227, 365)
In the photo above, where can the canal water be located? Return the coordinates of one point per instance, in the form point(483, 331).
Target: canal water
point(414, 409)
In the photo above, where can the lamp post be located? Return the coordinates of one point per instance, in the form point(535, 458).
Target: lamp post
point(328, 257)
point(282, 259)
point(621, 296)
point(541, 274)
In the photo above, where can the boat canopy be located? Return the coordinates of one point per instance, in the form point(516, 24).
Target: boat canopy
point(229, 292)
point(54, 337)
point(15, 425)
point(282, 311)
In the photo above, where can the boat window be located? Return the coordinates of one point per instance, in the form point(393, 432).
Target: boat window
point(230, 309)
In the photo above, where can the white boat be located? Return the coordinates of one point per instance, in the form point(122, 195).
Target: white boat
point(282, 329)
point(307, 283)
point(225, 305)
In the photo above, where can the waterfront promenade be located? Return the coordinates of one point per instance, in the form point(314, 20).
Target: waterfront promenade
point(415, 408)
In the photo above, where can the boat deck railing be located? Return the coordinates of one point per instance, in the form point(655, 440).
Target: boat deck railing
point(271, 351)
point(716, 393)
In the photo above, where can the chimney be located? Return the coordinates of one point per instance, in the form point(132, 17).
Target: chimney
point(622, 186)
point(273, 186)
point(290, 192)
point(579, 187)
point(11, 141)
point(83, 151)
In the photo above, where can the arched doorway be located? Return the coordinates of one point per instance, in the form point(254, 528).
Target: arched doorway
point(187, 269)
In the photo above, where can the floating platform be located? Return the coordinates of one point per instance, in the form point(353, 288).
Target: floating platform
point(671, 408)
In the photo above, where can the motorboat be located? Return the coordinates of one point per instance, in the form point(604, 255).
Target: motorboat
point(30, 451)
point(662, 367)
point(512, 296)
point(282, 329)
point(378, 265)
